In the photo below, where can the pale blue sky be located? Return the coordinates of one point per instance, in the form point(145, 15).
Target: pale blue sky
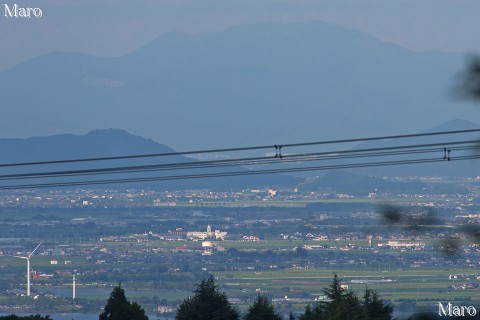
point(115, 27)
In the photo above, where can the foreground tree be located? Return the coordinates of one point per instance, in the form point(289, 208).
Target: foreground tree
point(376, 308)
point(119, 308)
point(208, 303)
point(309, 314)
point(344, 304)
point(291, 316)
point(262, 309)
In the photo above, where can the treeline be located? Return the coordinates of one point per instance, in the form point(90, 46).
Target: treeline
point(209, 303)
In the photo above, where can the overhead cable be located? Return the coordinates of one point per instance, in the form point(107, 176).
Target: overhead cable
point(276, 147)
point(235, 173)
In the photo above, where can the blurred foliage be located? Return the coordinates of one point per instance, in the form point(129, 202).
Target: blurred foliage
point(395, 216)
point(469, 84)
point(450, 247)
point(425, 220)
point(472, 231)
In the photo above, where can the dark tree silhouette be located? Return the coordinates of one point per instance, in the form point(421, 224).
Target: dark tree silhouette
point(308, 315)
point(344, 304)
point(334, 291)
point(262, 309)
point(119, 308)
point(341, 304)
point(376, 307)
point(208, 303)
point(349, 307)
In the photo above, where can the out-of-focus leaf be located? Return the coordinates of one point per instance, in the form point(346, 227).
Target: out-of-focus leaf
point(391, 214)
point(450, 247)
point(469, 84)
point(472, 231)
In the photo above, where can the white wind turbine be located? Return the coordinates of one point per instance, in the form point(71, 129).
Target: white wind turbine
point(28, 267)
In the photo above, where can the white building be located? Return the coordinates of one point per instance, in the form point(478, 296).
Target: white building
point(209, 234)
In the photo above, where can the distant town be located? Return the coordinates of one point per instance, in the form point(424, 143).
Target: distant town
point(159, 244)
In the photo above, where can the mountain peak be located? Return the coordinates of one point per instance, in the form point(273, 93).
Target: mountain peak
point(109, 132)
point(250, 84)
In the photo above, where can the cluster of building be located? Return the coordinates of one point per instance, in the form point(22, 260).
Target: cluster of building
point(208, 234)
point(403, 245)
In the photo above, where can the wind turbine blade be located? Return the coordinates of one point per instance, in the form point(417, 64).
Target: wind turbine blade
point(20, 257)
point(35, 249)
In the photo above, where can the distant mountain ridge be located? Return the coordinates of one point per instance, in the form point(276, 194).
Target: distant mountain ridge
point(251, 84)
point(115, 143)
point(97, 143)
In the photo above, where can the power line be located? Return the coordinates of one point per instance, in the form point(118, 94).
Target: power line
point(319, 156)
point(276, 147)
point(234, 173)
point(279, 158)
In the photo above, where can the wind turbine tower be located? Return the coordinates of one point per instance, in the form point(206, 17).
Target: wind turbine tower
point(28, 267)
point(74, 286)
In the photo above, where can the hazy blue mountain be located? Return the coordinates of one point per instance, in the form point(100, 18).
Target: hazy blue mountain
point(265, 83)
point(111, 143)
